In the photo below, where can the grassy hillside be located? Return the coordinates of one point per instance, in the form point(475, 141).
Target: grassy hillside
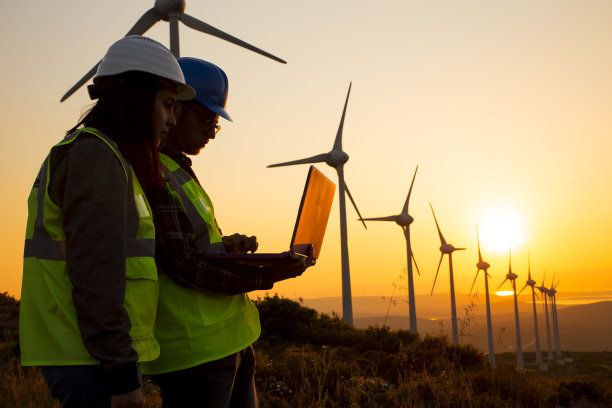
point(307, 359)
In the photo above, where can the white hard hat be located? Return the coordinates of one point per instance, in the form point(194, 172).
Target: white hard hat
point(139, 53)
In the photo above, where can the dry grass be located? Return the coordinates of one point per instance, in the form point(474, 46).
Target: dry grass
point(24, 387)
point(346, 367)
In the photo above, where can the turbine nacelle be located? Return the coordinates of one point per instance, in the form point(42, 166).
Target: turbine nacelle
point(482, 265)
point(404, 220)
point(448, 249)
point(336, 158)
point(165, 7)
point(531, 282)
point(511, 276)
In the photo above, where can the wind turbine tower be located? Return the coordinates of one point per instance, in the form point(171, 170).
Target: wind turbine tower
point(519, 347)
point(173, 11)
point(447, 249)
point(544, 290)
point(552, 292)
point(532, 283)
point(484, 266)
point(404, 220)
point(336, 158)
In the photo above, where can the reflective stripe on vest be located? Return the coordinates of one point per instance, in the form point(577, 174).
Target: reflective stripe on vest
point(195, 327)
point(196, 203)
point(49, 333)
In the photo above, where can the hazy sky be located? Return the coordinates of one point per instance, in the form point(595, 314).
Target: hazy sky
point(505, 106)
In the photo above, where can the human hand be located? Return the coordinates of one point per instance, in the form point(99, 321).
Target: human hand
point(292, 267)
point(238, 243)
point(133, 399)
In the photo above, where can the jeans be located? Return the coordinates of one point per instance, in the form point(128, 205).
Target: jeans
point(78, 386)
point(223, 383)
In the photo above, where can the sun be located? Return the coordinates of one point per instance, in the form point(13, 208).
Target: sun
point(501, 229)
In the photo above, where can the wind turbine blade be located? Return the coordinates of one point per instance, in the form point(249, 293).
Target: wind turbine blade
point(389, 218)
point(529, 265)
point(319, 158)
point(338, 140)
point(553, 279)
point(510, 261)
point(81, 82)
point(544, 280)
point(354, 205)
point(502, 283)
point(478, 241)
point(415, 264)
point(437, 270)
point(460, 249)
point(201, 26)
point(475, 277)
point(405, 209)
point(555, 287)
point(145, 22)
point(442, 240)
point(523, 289)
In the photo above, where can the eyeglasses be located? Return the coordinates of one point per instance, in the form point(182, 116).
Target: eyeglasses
point(210, 123)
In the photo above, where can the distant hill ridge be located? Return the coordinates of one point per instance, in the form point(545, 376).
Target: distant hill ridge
point(583, 327)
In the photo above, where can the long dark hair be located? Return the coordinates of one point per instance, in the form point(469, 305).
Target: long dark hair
point(124, 113)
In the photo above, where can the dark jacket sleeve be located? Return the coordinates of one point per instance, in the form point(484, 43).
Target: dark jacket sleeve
point(177, 256)
point(92, 187)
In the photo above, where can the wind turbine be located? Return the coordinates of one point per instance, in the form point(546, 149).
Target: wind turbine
point(404, 220)
point(532, 283)
point(336, 158)
point(447, 249)
point(172, 11)
point(512, 278)
point(552, 292)
point(484, 266)
point(544, 290)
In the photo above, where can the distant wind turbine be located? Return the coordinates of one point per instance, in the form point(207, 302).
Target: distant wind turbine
point(404, 220)
point(552, 292)
point(484, 266)
point(172, 11)
point(532, 283)
point(512, 278)
point(544, 290)
point(336, 159)
point(447, 249)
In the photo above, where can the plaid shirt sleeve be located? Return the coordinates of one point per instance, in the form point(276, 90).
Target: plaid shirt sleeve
point(177, 256)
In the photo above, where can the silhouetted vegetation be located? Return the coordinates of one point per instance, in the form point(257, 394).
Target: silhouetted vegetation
point(9, 307)
point(307, 359)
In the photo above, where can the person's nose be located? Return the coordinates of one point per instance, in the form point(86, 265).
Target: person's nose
point(171, 119)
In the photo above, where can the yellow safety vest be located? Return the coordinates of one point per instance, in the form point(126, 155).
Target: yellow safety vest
point(195, 327)
point(48, 326)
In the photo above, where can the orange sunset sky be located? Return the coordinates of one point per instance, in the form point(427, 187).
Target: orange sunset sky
point(505, 106)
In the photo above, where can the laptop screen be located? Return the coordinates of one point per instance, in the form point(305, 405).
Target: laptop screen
point(313, 214)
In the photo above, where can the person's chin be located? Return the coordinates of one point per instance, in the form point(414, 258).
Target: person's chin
point(196, 150)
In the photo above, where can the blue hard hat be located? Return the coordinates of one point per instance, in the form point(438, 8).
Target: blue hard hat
point(210, 83)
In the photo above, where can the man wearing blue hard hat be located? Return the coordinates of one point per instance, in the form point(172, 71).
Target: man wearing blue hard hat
point(206, 323)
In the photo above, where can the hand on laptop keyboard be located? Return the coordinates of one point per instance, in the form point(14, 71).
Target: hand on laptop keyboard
point(240, 244)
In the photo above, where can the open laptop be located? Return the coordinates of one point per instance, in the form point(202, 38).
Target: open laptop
point(309, 230)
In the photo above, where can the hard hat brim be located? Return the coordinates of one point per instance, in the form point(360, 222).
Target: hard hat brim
point(185, 92)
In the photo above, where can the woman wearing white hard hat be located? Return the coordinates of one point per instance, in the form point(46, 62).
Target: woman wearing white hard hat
point(89, 291)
